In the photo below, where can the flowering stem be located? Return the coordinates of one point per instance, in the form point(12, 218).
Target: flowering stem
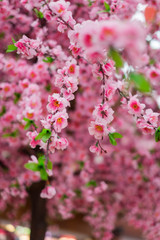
point(103, 84)
point(60, 18)
point(47, 153)
point(102, 149)
point(127, 98)
point(122, 94)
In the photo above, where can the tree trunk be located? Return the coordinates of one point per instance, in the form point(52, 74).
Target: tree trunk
point(38, 212)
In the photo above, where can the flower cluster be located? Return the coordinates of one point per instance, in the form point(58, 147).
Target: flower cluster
point(96, 38)
point(59, 11)
point(147, 120)
point(29, 48)
point(64, 83)
point(103, 115)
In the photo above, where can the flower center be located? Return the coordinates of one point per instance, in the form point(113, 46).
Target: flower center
point(32, 75)
point(59, 120)
point(6, 89)
point(154, 74)
point(99, 128)
point(56, 103)
point(135, 106)
point(30, 115)
point(71, 69)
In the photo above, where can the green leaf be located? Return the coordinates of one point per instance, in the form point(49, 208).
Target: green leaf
point(32, 166)
point(64, 196)
point(2, 35)
point(12, 134)
point(48, 87)
point(112, 139)
point(140, 82)
point(140, 166)
point(44, 135)
point(78, 192)
point(29, 123)
point(43, 174)
point(81, 164)
point(38, 13)
point(90, 3)
point(13, 40)
point(11, 48)
point(27, 126)
point(50, 165)
point(116, 57)
point(107, 7)
point(116, 135)
point(3, 111)
point(10, 17)
point(91, 183)
point(26, 119)
point(157, 134)
point(136, 157)
point(152, 61)
point(145, 179)
point(17, 97)
point(102, 11)
point(41, 160)
point(15, 185)
point(48, 60)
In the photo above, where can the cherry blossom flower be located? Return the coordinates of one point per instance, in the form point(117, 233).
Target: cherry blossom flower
point(32, 136)
point(98, 129)
point(151, 117)
point(135, 107)
point(95, 149)
point(48, 192)
point(56, 103)
point(60, 120)
point(28, 47)
point(103, 111)
point(145, 127)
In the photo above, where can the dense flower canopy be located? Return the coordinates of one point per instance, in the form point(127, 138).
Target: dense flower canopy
point(80, 109)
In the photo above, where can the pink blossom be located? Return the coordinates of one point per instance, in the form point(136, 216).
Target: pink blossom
point(151, 117)
point(67, 93)
point(153, 74)
point(61, 143)
point(52, 147)
point(135, 107)
point(145, 127)
point(32, 136)
point(103, 111)
point(109, 67)
point(58, 143)
point(33, 159)
point(71, 83)
point(110, 89)
point(29, 113)
point(98, 128)
point(95, 149)
point(47, 14)
point(101, 188)
point(56, 103)
point(28, 47)
point(59, 7)
point(60, 120)
point(7, 89)
point(46, 123)
point(24, 84)
point(73, 69)
point(48, 192)
point(75, 50)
